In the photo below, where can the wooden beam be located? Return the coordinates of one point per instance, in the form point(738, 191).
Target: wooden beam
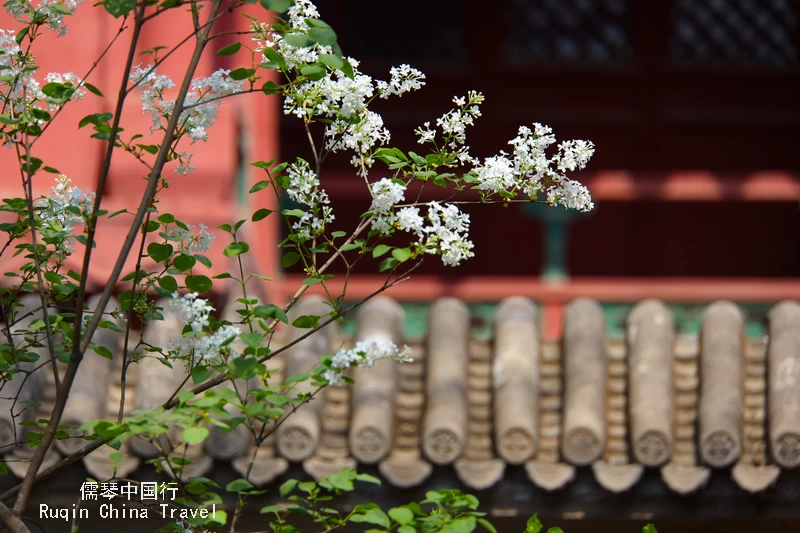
point(495, 288)
point(626, 186)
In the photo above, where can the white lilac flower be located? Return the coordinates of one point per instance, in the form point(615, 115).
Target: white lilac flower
point(364, 353)
point(454, 123)
point(304, 188)
point(447, 234)
point(294, 56)
point(210, 347)
point(571, 194)
point(496, 174)
point(20, 91)
point(191, 310)
point(530, 170)
point(201, 103)
point(385, 195)
point(425, 133)
point(58, 210)
point(300, 11)
point(409, 219)
point(23, 11)
point(213, 348)
point(360, 137)
point(192, 242)
point(404, 79)
point(202, 241)
point(574, 154)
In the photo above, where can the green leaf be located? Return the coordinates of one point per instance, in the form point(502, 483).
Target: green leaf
point(199, 284)
point(244, 367)
point(324, 36)
point(253, 340)
point(159, 252)
point(224, 275)
point(149, 148)
point(348, 69)
point(195, 488)
point(19, 38)
point(200, 373)
point(485, 524)
point(102, 351)
point(92, 88)
point(270, 311)
point(59, 91)
point(300, 40)
point(299, 213)
point(240, 74)
point(533, 525)
point(271, 87)
point(373, 516)
point(401, 515)
point(464, 524)
point(239, 485)
point(313, 72)
point(278, 6)
point(118, 8)
point(335, 62)
point(290, 259)
point(388, 264)
point(555, 530)
point(287, 487)
point(276, 58)
point(260, 186)
point(261, 214)
point(401, 254)
point(195, 435)
point(314, 280)
point(649, 528)
point(296, 378)
point(229, 50)
point(236, 248)
point(306, 321)
point(184, 262)
point(366, 478)
point(272, 509)
point(95, 118)
point(168, 283)
point(58, 8)
point(380, 250)
point(203, 260)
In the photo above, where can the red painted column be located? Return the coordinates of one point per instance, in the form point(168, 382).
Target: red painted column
point(260, 126)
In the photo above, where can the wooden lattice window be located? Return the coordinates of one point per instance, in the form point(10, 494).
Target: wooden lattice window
point(735, 32)
point(579, 31)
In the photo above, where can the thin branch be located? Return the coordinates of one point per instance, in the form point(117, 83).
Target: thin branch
point(12, 520)
point(28, 186)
